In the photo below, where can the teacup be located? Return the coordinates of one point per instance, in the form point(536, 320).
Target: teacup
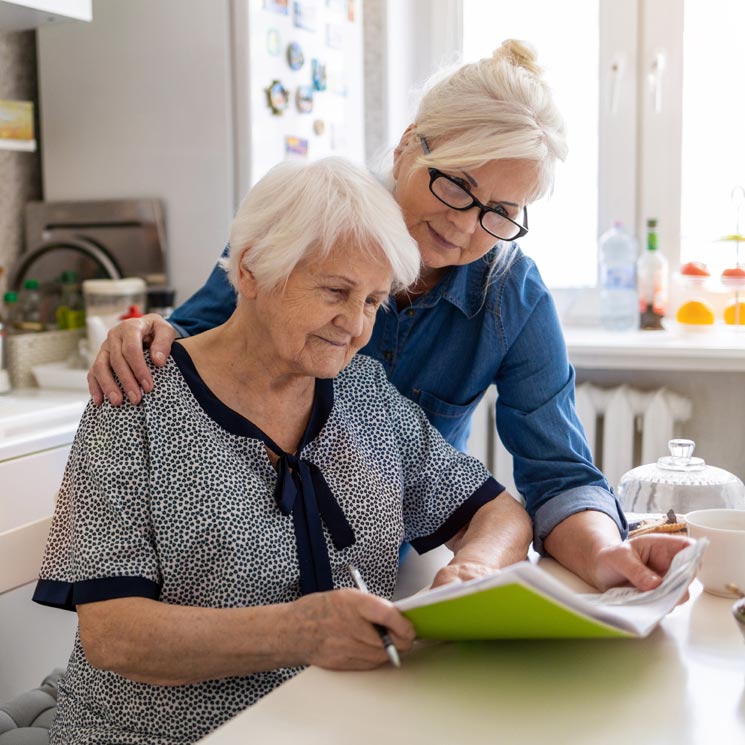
point(724, 560)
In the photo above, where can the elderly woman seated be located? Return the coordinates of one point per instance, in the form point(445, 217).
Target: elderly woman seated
point(204, 537)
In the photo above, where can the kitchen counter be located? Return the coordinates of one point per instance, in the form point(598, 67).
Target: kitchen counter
point(34, 419)
point(37, 427)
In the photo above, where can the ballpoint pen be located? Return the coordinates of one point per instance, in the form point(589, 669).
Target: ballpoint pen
point(390, 647)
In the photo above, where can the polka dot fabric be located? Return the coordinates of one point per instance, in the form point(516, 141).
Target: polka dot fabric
point(159, 500)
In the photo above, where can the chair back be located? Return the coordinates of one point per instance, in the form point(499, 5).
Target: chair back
point(21, 552)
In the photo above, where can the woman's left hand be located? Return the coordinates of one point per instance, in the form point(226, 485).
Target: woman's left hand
point(641, 562)
point(498, 535)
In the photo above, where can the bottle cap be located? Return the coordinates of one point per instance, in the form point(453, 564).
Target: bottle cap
point(69, 277)
point(652, 222)
point(31, 284)
point(10, 297)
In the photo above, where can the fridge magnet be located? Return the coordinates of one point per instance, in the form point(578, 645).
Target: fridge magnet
point(277, 6)
point(296, 146)
point(319, 126)
point(17, 125)
point(273, 42)
point(295, 56)
point(304, 99)
point(338, 82)
point(277, 97)
point(318, 74)
point(305, 14)
point(334, 36)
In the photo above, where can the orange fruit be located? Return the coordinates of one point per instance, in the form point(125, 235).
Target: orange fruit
point(695, 312)
point(731, 314)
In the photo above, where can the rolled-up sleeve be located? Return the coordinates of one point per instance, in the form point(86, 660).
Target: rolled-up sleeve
point(536, 417)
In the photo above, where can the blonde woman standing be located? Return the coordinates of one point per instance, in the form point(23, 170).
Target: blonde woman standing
point(483, 146)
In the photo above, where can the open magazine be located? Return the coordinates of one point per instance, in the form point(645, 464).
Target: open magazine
point(523, 602)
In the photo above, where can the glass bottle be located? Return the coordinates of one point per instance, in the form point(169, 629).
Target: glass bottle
point(11, 311)
point(652, 282)
point(29, 316)
point(71, 309)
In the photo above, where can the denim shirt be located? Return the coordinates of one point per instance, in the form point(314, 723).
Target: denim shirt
point(449, 346)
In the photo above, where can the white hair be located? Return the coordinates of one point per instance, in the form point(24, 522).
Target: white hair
point(497, 108)
point(301, 209)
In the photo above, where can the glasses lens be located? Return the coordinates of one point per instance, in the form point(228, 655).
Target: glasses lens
point(450, 193)
point(500, 226)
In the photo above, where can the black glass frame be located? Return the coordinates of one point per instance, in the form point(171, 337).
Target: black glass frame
point(434, 174)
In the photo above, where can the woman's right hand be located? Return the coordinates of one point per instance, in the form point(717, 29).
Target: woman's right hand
point(122, 353)
point(335, 629)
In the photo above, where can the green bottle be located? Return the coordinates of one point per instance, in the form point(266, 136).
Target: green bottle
point(71, 310)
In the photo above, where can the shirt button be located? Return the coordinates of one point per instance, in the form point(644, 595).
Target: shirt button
point(410, 312)
point(388, 356)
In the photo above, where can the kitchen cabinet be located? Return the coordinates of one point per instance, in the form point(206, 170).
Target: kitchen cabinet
point(22, 15)
point(36, 430)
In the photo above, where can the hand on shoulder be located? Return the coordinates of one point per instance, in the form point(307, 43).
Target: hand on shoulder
point(123, 354)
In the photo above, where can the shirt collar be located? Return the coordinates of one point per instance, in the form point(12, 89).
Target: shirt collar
point(461, 286)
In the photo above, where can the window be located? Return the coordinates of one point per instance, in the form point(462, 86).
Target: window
point(713, 137)
point(652, 94)
point(563, 226)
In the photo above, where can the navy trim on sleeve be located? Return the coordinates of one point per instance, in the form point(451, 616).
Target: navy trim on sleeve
point(67, 595)
point(488, 491)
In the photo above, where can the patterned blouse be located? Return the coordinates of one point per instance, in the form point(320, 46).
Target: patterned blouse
point(176, 500)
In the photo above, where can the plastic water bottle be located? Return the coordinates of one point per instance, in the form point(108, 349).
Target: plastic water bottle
point(619, 303)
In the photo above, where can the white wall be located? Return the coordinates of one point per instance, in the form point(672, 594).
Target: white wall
point(93, 73)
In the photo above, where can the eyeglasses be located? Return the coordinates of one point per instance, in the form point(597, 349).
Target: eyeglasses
point(454, 193)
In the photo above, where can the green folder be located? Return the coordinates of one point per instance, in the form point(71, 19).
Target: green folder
point(511, 611)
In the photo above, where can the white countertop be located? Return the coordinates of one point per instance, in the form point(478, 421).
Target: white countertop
point(35, 419)
point(682, 685)
point(713, 349)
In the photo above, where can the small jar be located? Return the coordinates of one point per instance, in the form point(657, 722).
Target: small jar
point(692, 298)
point(733, 280)
point(679, 482)
point(160, 300)
point(106, 301)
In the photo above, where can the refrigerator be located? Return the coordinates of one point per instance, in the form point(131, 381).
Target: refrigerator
point(191, 102)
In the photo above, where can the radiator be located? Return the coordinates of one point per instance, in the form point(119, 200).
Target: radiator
point(625, 427)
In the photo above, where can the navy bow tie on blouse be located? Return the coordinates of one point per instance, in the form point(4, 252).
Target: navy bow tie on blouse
point(303, 492)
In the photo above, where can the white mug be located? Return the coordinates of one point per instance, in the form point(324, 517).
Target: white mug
point(724, 560)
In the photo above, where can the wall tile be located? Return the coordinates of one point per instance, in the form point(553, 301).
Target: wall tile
point(20, 172)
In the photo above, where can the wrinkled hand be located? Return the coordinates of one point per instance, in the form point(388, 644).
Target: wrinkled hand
point(122, 353)
point(641, 561)
point(460, 571)
point(335, 629)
